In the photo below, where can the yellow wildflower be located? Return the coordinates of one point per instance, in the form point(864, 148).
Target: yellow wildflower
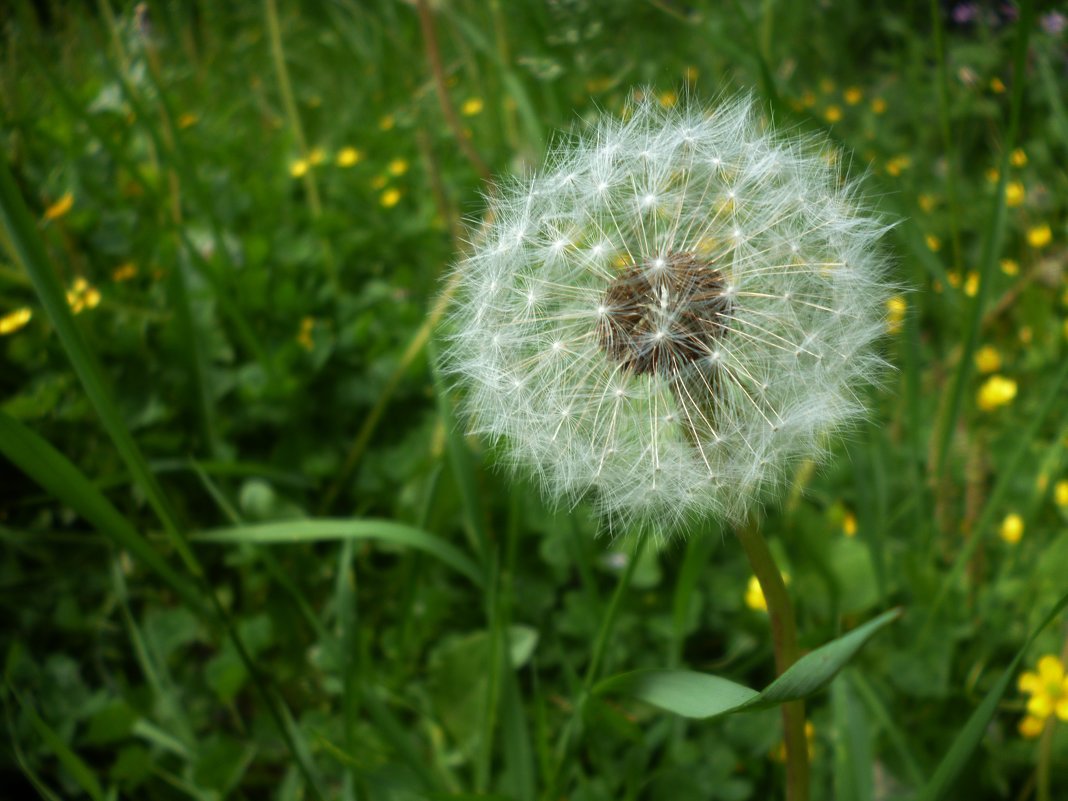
point(668, 99)
point(124, 272)
point(1039, 235)
point(971, 284)
point(397, 167)
point(996, 391)
point(299, 168)
point(832, 113)
point(13, 321)
point(471, 106)
point(1014, 193)
point(927, 202)
point(992, 175)
point(691, 74)
point(849, 524)
point(1018, 157)
point(878, 105)
point(933, 242)
point(1047, 688)
point(853, 95)
point(347, 156)
point(60, 207)
point(390, 198)
point(898, 163)
point(188, 120)
point(316, 156)
point(808, 99)
point(82, 296)
point(996, 85)
point(304, 336)
point(1010, 267)
point(387, 123)
point(754, 594)
point(779, 753)
point(895, 313)
point(1060, 493)
point(1012, 528)
point(987, 359)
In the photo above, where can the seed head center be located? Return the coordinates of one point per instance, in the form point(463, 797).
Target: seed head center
point(663, 315)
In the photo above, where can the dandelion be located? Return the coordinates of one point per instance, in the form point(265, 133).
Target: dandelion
point(390, 198)
point(298, 168)
point(996, 391)
point(754, 593)
point(471, 107)
point(1012, 528)
point(347, 156)
point(678, 308)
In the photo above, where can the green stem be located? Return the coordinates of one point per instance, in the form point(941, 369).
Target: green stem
point(784, 639)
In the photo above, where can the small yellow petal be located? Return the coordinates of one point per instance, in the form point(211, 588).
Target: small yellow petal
point(390, 198)
point(124, 272)
point(668, 99)
point(853, 95)
point(996, 85)
point(832, 114)
point(60, 207)
point(13, 321)
point(1031, 727)
point(299, 168)
point(1040, 705)
point(971, 284)
point(1018, 158)
point(878, 105)
point(1010, 267)
point(397, 167)
point(754, 596)
point(896, 307)
point(1029, 682)
point(933, 242)
point(1051, 670)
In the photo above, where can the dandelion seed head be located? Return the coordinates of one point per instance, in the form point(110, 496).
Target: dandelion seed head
point(683, 306)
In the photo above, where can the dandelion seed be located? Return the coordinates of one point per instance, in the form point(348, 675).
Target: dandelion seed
point(719, 300)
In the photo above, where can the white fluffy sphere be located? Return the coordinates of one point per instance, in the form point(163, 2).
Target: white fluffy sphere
point(680, 306)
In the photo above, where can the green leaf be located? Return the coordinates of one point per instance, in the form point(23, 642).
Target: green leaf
point(701, 695)
point(338, 529)
point(969, 737)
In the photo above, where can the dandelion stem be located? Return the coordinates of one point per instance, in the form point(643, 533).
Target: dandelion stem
point(784, 639)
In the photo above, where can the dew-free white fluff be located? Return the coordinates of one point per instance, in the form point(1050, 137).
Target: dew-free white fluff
point(678, 307)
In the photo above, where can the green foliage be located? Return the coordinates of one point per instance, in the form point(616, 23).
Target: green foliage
point(249, 553)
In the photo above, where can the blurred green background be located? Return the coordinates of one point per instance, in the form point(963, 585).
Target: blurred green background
point(249, 209)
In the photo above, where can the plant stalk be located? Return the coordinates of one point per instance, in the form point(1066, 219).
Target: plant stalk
point(784, 639)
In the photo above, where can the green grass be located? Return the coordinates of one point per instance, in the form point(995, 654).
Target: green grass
point(247, 551)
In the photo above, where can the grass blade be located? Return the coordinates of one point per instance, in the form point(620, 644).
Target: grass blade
point(969, 737)
point(330, 530)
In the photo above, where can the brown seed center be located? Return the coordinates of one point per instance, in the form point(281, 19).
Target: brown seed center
point(665, 314)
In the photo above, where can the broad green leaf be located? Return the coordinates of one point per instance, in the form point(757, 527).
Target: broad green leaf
point(336, 529)
point(969, 737)
point(701, 695)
